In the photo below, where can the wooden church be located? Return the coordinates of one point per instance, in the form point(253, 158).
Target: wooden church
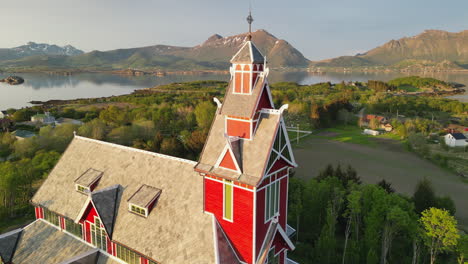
point(107, 203)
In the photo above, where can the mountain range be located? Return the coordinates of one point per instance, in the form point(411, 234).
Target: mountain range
point(214, 53)
point(432, 48)
point(436, 48)
point(33, 49)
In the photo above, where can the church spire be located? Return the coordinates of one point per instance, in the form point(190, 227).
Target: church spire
point(250, 20)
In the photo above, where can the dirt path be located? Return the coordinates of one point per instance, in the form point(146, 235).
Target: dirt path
point(389, 161)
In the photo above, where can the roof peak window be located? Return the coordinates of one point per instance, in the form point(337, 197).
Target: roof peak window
point(87, 181)
point(143, 200)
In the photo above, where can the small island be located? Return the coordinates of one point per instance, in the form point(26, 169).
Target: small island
point(13, 80)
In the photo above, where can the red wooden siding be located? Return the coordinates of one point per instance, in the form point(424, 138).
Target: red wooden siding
point(283, 202)
point(240, 231)
point(237, 79)
point(262, 227)
point(228, 161)
point(247, 80)
point(237, 128)
point(264, 101)
point(278, 165)
point(39, 212)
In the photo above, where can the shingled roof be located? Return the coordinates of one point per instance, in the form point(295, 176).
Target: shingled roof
point(39, 243)
point(254, 153)
point(178, 233)
point(248, 54)
point(8, 242)
point(240, 105)
point(105, 202)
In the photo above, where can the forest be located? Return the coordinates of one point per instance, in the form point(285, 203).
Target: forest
point(333, 213)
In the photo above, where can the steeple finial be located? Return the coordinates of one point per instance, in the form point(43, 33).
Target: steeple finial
point(250, 20)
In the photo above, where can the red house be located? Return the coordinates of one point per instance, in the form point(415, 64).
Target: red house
point(106, 203)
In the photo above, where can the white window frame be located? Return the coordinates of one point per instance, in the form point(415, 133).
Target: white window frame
point(226, 182)
point(251, 71)
point(274, 186)
point(86, 189)
point(95, 233)
point(130, 209)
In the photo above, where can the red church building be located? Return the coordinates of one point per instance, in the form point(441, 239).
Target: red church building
point(106, 203)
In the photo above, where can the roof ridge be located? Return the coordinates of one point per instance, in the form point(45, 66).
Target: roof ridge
point(135, 149)
point(106, 189)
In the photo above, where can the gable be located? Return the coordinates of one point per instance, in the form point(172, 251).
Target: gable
point(281, 152)
point(265, 100)
point(228, 161)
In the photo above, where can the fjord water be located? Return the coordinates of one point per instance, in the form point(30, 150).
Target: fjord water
point(42, 87)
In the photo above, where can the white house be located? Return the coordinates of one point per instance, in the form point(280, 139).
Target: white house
point(46, 118)
point(456, 140)
point(3, 114)
point(371, 132)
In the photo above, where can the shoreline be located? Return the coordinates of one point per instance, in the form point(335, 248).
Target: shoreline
point(312, 70)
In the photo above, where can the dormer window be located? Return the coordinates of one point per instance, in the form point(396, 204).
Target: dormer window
point(138, 210)
point(88, 181)
point(82, 189)
point(143, 200)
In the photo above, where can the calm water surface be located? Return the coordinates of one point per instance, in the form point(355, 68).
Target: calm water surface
point(46, 87)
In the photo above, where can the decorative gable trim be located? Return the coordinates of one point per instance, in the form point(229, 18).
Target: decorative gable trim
point(228, 151)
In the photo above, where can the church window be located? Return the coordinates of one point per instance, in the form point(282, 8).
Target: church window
point(228, 200)
point(272, 194)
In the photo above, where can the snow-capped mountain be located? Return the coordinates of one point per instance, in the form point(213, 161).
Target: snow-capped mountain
point(32, 48)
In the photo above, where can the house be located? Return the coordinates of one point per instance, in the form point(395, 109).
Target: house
point(371, 132)
point(455, 140)
point(45, 118)
point(3, 114)
point(367, 119)
point(107, 203)
point(455, 128)
point(5, 124)
point(387, 127)
point(23, 134)
point(63, 120)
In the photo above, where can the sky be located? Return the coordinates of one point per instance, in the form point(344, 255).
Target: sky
point(319, 29)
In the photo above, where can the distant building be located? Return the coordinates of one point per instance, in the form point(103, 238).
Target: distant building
point(63, 120)
point(3, 114)
point(23, 134)
point(387, 127)
point(5, 124)
point(367, 119)
point(371, 132)
point(455, 140)
point(46, 118)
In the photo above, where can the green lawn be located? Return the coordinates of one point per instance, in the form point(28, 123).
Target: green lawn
point(346, 134)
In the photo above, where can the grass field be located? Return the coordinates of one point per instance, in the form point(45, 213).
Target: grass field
point(377, 158)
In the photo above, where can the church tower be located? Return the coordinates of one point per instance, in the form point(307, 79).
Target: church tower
point(246, 162)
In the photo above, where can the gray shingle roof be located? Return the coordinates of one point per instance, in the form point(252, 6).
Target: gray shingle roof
point(247, 54)
point(89, 177)
point(39, 243)
point(179, 233)
point(241, 105)
point(105, 201)
point(144, 196)
point(89, 257)
point(254, 153)
point(8, 242)
point(458, 136)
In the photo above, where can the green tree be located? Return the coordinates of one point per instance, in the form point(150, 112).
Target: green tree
point(462, 249)
point(440, 231)
point(204, 113)
point(424, 196)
